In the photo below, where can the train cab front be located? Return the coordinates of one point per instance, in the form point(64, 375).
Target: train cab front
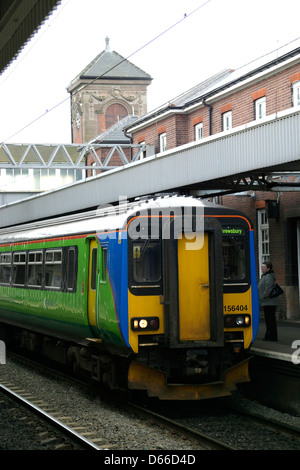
point(186, 346)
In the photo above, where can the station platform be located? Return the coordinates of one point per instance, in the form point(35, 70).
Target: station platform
point(283, 349)
point(274, 368)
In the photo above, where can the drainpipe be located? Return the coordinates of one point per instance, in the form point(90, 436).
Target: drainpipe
point(210, 115)
point(129, 136)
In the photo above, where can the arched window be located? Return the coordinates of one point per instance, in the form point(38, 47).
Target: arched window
point(114, 113)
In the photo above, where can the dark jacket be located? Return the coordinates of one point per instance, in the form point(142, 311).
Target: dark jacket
point(265, 285)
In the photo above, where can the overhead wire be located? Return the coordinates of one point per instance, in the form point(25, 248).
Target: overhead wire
point(90, 82)
point(186, 15)
point(267, 53)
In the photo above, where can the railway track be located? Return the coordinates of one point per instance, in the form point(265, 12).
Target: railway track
point(59, 432)
point(248, 430)
point(268, 423)
point(85, 438)
point(204, 441)
point(64, 433)
point(199, 428)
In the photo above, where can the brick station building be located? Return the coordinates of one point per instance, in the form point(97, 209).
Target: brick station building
point(222, 103)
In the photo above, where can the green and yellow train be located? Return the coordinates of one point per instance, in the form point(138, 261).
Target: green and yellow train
point(157, 295)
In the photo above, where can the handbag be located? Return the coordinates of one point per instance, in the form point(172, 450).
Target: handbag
point(276, 291)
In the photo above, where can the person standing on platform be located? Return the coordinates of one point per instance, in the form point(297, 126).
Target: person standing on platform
point(265, 285)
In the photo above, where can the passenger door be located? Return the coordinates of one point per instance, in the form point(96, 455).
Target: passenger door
point(193, 289)
point(93, 255)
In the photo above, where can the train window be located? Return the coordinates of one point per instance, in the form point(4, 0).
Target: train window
point(53, 269)
point(146, 261)
point(94, 269)
point(35, 268)
point(19, 269)
point(104, 265)
point(71, 266)
point(234, 253)
point(5, 268)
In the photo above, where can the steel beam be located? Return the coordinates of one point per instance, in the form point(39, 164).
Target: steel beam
point(242, 159)
point(68, 156)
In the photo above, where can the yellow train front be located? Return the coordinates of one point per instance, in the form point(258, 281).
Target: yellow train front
point(192, 299)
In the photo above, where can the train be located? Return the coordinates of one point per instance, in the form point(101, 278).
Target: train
point(157, 295)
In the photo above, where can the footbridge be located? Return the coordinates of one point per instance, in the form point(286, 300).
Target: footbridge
point(262, 155)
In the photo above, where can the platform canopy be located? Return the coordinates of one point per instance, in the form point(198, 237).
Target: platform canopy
point(257, 156)
point(19, 21)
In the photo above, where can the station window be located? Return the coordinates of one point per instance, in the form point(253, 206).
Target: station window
point(260, 108)
point(143, 150)
point(5, 268)
point(263, 237)
point(199, 131)
point(227, 121)
point(296, 93)
point(53, 269)
point(162, 142)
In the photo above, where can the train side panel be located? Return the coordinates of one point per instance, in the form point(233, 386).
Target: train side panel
point(52, 309)
point(245, 303)
point(254, 288)
point(112, 299)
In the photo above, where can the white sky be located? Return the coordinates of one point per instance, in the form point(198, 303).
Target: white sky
point(221, 34)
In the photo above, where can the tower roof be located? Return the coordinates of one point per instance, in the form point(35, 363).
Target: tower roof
point(115, 133)
point(111, 65)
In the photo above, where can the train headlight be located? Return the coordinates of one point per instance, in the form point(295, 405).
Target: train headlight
point(237, 321)
point(145, 323)
point(229, 321)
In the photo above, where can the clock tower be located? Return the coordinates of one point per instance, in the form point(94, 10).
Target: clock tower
point(108, 89)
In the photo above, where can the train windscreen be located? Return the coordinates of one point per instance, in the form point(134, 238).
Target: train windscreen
point(234, 254)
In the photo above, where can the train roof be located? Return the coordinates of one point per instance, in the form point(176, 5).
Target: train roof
point(106, 218)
